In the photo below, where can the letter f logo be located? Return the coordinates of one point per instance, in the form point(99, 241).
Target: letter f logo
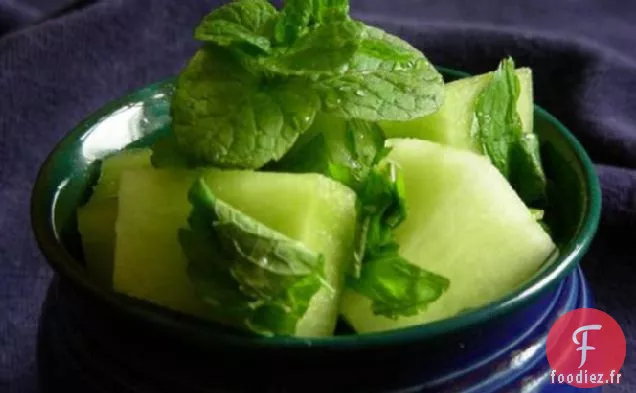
point(583, 346)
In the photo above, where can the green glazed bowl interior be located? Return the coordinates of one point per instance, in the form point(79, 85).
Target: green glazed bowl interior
point(138, 119)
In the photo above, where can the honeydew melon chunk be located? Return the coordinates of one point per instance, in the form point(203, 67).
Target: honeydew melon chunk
point(153, 205)
point(96, 219)
point(464, 222)
point(453, 123)
point(114, 166)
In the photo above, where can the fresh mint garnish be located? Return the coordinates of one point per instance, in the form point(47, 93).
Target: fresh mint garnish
point(395, 286)
point(501, 137)
point(254, 87)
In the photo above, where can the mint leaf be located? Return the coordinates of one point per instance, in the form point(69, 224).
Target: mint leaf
point(501, 136)
point(527, 176)
point(308, 155)
point(386, 79)
point(383, 195)
point(295, 17)
point(396, 287)
point(497, 117)
point(382, 207)
point(226, 116)
point(343, 149)
point(298, 15)
point(354, 151)
point(253, 277)
point(239, 23)
point(324, 48)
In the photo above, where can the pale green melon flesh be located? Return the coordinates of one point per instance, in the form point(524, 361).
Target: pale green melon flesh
point(310, 208)
point(112, 168)
point(452, 124)
point(464, 222)
point(96, 219)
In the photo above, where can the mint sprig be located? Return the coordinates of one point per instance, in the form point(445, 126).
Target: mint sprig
point(255, 86)
point(500, 134)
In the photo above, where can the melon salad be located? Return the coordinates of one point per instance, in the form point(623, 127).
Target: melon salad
point(319, 170)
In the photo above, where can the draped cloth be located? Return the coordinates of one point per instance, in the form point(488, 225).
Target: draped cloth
point(60, 60)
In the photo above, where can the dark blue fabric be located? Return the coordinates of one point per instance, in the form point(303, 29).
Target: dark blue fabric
point(55, 72)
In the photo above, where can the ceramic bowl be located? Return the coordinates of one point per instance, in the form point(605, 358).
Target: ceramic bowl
point(167, 349)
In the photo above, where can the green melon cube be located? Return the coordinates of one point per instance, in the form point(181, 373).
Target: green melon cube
point(153, 205)
point(96, 219)
point(114, 166)
point(466, 223)
point(452, 123)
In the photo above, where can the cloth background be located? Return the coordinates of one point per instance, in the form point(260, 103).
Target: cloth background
point(60, 61)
